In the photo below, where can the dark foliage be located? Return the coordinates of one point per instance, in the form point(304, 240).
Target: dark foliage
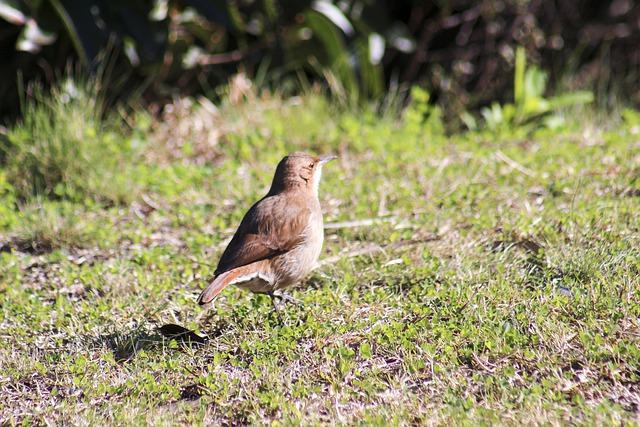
point(462, 50)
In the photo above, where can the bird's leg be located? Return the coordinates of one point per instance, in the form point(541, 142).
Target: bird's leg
point(276, 305)
point(286, 297)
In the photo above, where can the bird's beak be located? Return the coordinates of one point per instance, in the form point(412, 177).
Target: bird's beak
point(327, 158)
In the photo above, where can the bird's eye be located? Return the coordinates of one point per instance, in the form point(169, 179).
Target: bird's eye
point(311, 166)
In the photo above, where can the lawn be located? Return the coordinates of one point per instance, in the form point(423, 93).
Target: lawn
point(485, 276)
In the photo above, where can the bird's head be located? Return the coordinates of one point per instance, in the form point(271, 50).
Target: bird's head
point(299, 170)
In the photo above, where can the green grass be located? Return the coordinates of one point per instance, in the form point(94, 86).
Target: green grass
point(507, 290)
point(64, 149)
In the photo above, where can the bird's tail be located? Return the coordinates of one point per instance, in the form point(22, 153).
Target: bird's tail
point(215, 287)
point(241, 276)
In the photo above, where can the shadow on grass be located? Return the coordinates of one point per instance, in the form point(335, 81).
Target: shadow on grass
point(182, 335)
point(125, 345)
point(28, 246)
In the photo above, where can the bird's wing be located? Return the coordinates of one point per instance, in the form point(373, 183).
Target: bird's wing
point(271, 227)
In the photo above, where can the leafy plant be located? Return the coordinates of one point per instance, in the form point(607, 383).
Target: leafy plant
point(422, 117)
point(530, 109)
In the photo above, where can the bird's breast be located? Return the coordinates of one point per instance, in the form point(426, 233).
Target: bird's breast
point(299, 261)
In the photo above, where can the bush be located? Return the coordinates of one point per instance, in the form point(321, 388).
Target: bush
point(63, 149)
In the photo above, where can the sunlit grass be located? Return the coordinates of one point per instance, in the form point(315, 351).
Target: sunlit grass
point(505, 289)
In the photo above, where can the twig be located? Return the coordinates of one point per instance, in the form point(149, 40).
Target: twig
point(233, 56)
point(356, 223)
point(515, 165)
point(370, 249)
point(374, 248)
point(221, 58)
point(150, 202)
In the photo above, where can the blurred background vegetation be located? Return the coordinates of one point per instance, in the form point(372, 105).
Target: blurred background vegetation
point(462, 51)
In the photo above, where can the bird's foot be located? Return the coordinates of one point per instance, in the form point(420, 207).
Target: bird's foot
point(286, 297)
point(279, 298)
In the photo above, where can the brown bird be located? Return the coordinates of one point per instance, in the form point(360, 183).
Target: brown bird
point(280, 238)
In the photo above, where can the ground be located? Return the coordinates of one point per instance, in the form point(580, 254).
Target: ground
point(469, 277)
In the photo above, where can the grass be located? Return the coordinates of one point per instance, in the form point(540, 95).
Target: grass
point(64, 149)
point(507, 291)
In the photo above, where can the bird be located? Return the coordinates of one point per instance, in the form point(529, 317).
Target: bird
point(279, 240)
